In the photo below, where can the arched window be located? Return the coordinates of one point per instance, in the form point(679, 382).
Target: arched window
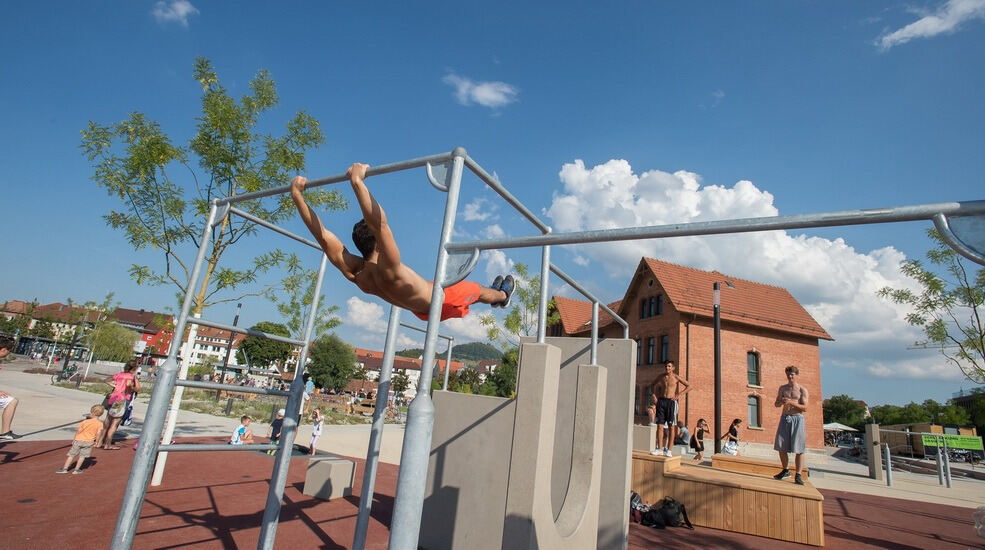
point(754, 411)
point(752, 368)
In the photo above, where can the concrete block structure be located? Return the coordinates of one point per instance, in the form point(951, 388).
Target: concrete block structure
point(329, 477)
point(549, 469)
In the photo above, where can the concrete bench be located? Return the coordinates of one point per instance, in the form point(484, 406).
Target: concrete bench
point(756, 466)
point(329, 477)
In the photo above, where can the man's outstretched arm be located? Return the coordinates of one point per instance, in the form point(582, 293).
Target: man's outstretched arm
point(329, 242)
point(386, 245)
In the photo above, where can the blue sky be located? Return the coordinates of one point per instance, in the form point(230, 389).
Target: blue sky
point(593, 114)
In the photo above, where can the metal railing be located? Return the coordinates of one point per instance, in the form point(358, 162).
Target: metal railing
point(596, 304)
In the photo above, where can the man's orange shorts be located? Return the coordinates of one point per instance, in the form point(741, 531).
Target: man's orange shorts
point(458, 298)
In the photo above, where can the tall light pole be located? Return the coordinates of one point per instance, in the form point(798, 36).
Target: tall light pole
point(229, 348)
point(718, 371)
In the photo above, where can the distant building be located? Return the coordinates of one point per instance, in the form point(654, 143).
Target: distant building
point(372, 361)
point(669, 309)
point(155, 331)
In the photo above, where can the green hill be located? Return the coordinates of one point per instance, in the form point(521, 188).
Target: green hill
point(473, 351)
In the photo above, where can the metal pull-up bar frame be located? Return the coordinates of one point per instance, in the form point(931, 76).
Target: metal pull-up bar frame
point(406, 522)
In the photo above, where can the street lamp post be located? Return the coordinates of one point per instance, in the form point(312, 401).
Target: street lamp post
point(718, 371)
point(229, 348)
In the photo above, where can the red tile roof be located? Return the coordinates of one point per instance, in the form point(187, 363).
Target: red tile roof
point(18, 307)
point(147, 321)
point(373, 360)
point(767, 306)
point(690, 290)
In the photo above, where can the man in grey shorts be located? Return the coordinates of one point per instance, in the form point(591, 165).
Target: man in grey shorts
point(791, 432)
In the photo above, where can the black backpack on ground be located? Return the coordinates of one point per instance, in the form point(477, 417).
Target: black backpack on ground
point(667, 513)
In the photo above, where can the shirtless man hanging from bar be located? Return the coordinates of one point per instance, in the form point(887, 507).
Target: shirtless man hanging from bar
point(666, 389)
point(379, 270)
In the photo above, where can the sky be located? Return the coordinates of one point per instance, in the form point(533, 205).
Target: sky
point(595, 115)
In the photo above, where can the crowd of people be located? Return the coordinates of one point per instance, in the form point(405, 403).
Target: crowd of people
point(791, 433)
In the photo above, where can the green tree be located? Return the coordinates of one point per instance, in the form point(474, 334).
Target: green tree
point(112, 342)
point(165, 189)
point(502, 381)
point(294, 304)
point(949, 307)
point(43, 329)
point(843, 409)
point(261, 352)
point(332, 362)
point(977, 412)
point(521, 320)
point(399, 382)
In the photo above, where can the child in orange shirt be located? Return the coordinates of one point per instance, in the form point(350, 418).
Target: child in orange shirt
point(90, 430)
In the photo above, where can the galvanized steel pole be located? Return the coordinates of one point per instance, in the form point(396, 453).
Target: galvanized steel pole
point(376, 434)
point(594, 353)
point(150, 435)
point(278, 478)
point(889, 465)
point(405, 526)
point(545, 266)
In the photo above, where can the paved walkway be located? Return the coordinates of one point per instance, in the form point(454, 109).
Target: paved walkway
point(47, 412)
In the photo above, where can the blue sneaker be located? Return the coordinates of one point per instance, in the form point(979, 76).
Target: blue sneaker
point(497, 282)
point(508, 286)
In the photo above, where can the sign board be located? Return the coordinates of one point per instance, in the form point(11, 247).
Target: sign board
point(139, 346)
point(969, 442)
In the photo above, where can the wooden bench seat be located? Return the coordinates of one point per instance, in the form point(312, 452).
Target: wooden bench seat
point(733, 501)
point(748, 465)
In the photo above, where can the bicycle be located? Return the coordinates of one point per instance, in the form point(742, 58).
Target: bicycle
point(65, 375)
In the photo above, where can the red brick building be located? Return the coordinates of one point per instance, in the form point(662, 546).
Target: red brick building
point(669, 309)
point(155, 329)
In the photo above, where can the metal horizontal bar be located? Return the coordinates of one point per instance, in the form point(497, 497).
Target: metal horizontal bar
point(744, 225)
point(216, 447)
point(274, 227)
point(449, 338)
point(498, 187)
point(241, 330)
point(229, 387)
point(564, 276)
point(373, 171)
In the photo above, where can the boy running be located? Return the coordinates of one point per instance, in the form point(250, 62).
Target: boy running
point(379, 270)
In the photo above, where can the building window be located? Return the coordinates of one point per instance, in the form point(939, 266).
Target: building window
point(660, 305)
point(653, 306)
point(639, 352)
point(754, 411)
point(650, 343)
point(643, 309)
point(752, 368)
point(664, 348)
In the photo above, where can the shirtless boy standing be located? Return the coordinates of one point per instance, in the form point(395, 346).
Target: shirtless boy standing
point(665, 415)
point(791, 432)
point(379, 270)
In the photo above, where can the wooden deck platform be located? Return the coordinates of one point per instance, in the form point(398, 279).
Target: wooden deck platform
point(733, 501)
point(758, 466)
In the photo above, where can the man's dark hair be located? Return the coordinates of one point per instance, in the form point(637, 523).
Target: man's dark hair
point(792, 369)
point(363, 238)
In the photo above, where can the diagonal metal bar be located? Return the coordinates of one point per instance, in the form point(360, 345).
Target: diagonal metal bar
point(230, 387)
point(275, 228)
point(507, 196)
point(571, 282)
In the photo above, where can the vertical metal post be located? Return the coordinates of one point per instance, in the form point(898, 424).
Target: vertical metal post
point(545, 273)
point(376, 434)
point(594, 353)
point(150, 436)
point(405, 527)
point(947, 462)
point(451, 343)
point(718, 371)
point(889, 465)
point(282, 460)
point(229, 349)
point(940, 465)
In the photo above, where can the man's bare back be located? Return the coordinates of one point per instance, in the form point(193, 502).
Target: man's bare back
point(380, 271)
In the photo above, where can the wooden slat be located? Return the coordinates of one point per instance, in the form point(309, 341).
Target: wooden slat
point(786, 518)
point(749, 511)
point(800, 521)
point(774, 515)
point(762, 514)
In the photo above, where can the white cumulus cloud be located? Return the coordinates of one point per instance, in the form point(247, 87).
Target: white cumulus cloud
point(836, 283)
point(945, 20)
point(487, 94)
point(365, 315)
point(480, 209)
point(173, 11)
point(468, 327)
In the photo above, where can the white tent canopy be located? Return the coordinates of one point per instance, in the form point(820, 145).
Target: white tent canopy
point(838, 427)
